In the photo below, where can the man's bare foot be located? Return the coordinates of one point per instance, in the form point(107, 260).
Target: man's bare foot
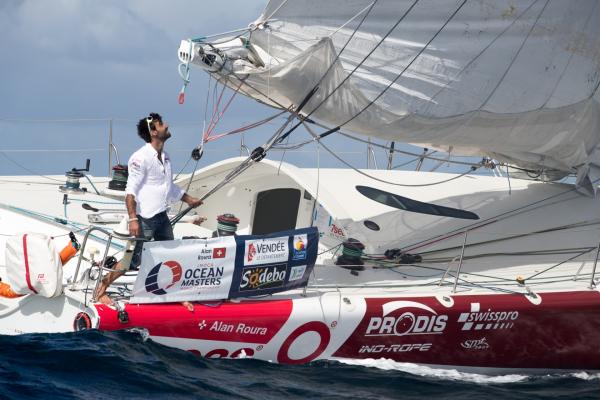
point(104, 299)
point(188, 305)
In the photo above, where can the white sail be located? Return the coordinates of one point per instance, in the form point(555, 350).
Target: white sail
point(513, 79)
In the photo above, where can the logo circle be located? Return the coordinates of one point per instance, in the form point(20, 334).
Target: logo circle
point(152, 284)
point(404, 324)
point(315, 326)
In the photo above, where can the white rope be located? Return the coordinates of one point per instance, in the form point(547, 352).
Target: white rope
point(353, 18)
point(276, 10)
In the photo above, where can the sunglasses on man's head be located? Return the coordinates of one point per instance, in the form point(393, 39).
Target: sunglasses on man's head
point(151, 118)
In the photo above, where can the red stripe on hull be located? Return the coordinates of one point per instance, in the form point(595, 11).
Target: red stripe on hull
point(249, 321)
point(502, 331)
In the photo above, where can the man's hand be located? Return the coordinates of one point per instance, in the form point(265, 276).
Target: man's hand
point(191, 201)
point(134, 228)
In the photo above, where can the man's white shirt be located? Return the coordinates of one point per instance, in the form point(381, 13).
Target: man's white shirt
point(151, 182)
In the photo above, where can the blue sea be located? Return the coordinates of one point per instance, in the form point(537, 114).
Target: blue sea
point(101, 365)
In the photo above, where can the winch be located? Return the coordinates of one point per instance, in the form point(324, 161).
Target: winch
point(119, 177)
point(226, 225)
point(72, 184)
point(351, 258)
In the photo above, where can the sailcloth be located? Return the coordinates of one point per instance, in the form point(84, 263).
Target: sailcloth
point(516, 80)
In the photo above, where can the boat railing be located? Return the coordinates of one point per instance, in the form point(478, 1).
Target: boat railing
point(460, 262)
point(102, 268)
point(450, 263)
point(592, 284)
point(89, 231)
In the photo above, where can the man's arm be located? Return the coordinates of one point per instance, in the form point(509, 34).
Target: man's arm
point(134, 224)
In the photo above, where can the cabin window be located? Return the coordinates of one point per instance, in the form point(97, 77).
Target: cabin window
point(404, 203)
point(276, 210)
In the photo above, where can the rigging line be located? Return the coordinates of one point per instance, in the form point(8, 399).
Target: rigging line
point(515, 57)
point(498, 217)
point(218, 119)
point(529, 170)
point(389, 32)
point(278, 104)
point(206, 105)
point(275, 11)
point(456, 232)
point(492, 288)
point(215, 112)
point(352, 19)
point(248, 162)
point(332, 64)
point(570, 57)
point(339, 53)
point(227, 39)
point(513, 254)
point(560, 263)
point(395, 150)
point(595, 89)
point(426, 267)
point(247, 127)
point(336, 57)
point(410, 63)
point(384, 181)
point(29, 170)
point(481, 52)
point(558, 228)
point(181, 170)
point(282, 157)
point(187, 188)
point(408, 153)
point(408, 162)
point(508, 179)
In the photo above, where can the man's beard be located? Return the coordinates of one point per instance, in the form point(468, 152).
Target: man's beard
point(165, 136)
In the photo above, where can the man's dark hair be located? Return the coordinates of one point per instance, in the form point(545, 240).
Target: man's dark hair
point(145, 123)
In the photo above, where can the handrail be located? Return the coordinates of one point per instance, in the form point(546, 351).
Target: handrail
point(448, 270)
point(101, 267)
point(84, 243)
point(460, 262)
point(592, 284)
point(462, 253)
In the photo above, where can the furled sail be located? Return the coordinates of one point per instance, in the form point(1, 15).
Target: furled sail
point(516, 80)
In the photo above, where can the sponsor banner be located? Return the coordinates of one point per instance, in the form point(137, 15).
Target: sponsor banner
point(225, 267)
point(266, 251)
point(263, 277)
point(185, 270)
point(273, 263)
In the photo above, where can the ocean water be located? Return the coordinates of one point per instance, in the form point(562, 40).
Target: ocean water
point(102, 365)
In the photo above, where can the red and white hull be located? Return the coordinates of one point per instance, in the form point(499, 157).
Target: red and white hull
point(554, 331)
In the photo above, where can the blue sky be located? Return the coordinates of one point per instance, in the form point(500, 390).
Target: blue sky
point(70, 65)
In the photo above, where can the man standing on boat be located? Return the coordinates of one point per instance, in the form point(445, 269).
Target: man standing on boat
point(150, 189)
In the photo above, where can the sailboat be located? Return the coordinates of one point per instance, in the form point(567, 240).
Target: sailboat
point(467, 271)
